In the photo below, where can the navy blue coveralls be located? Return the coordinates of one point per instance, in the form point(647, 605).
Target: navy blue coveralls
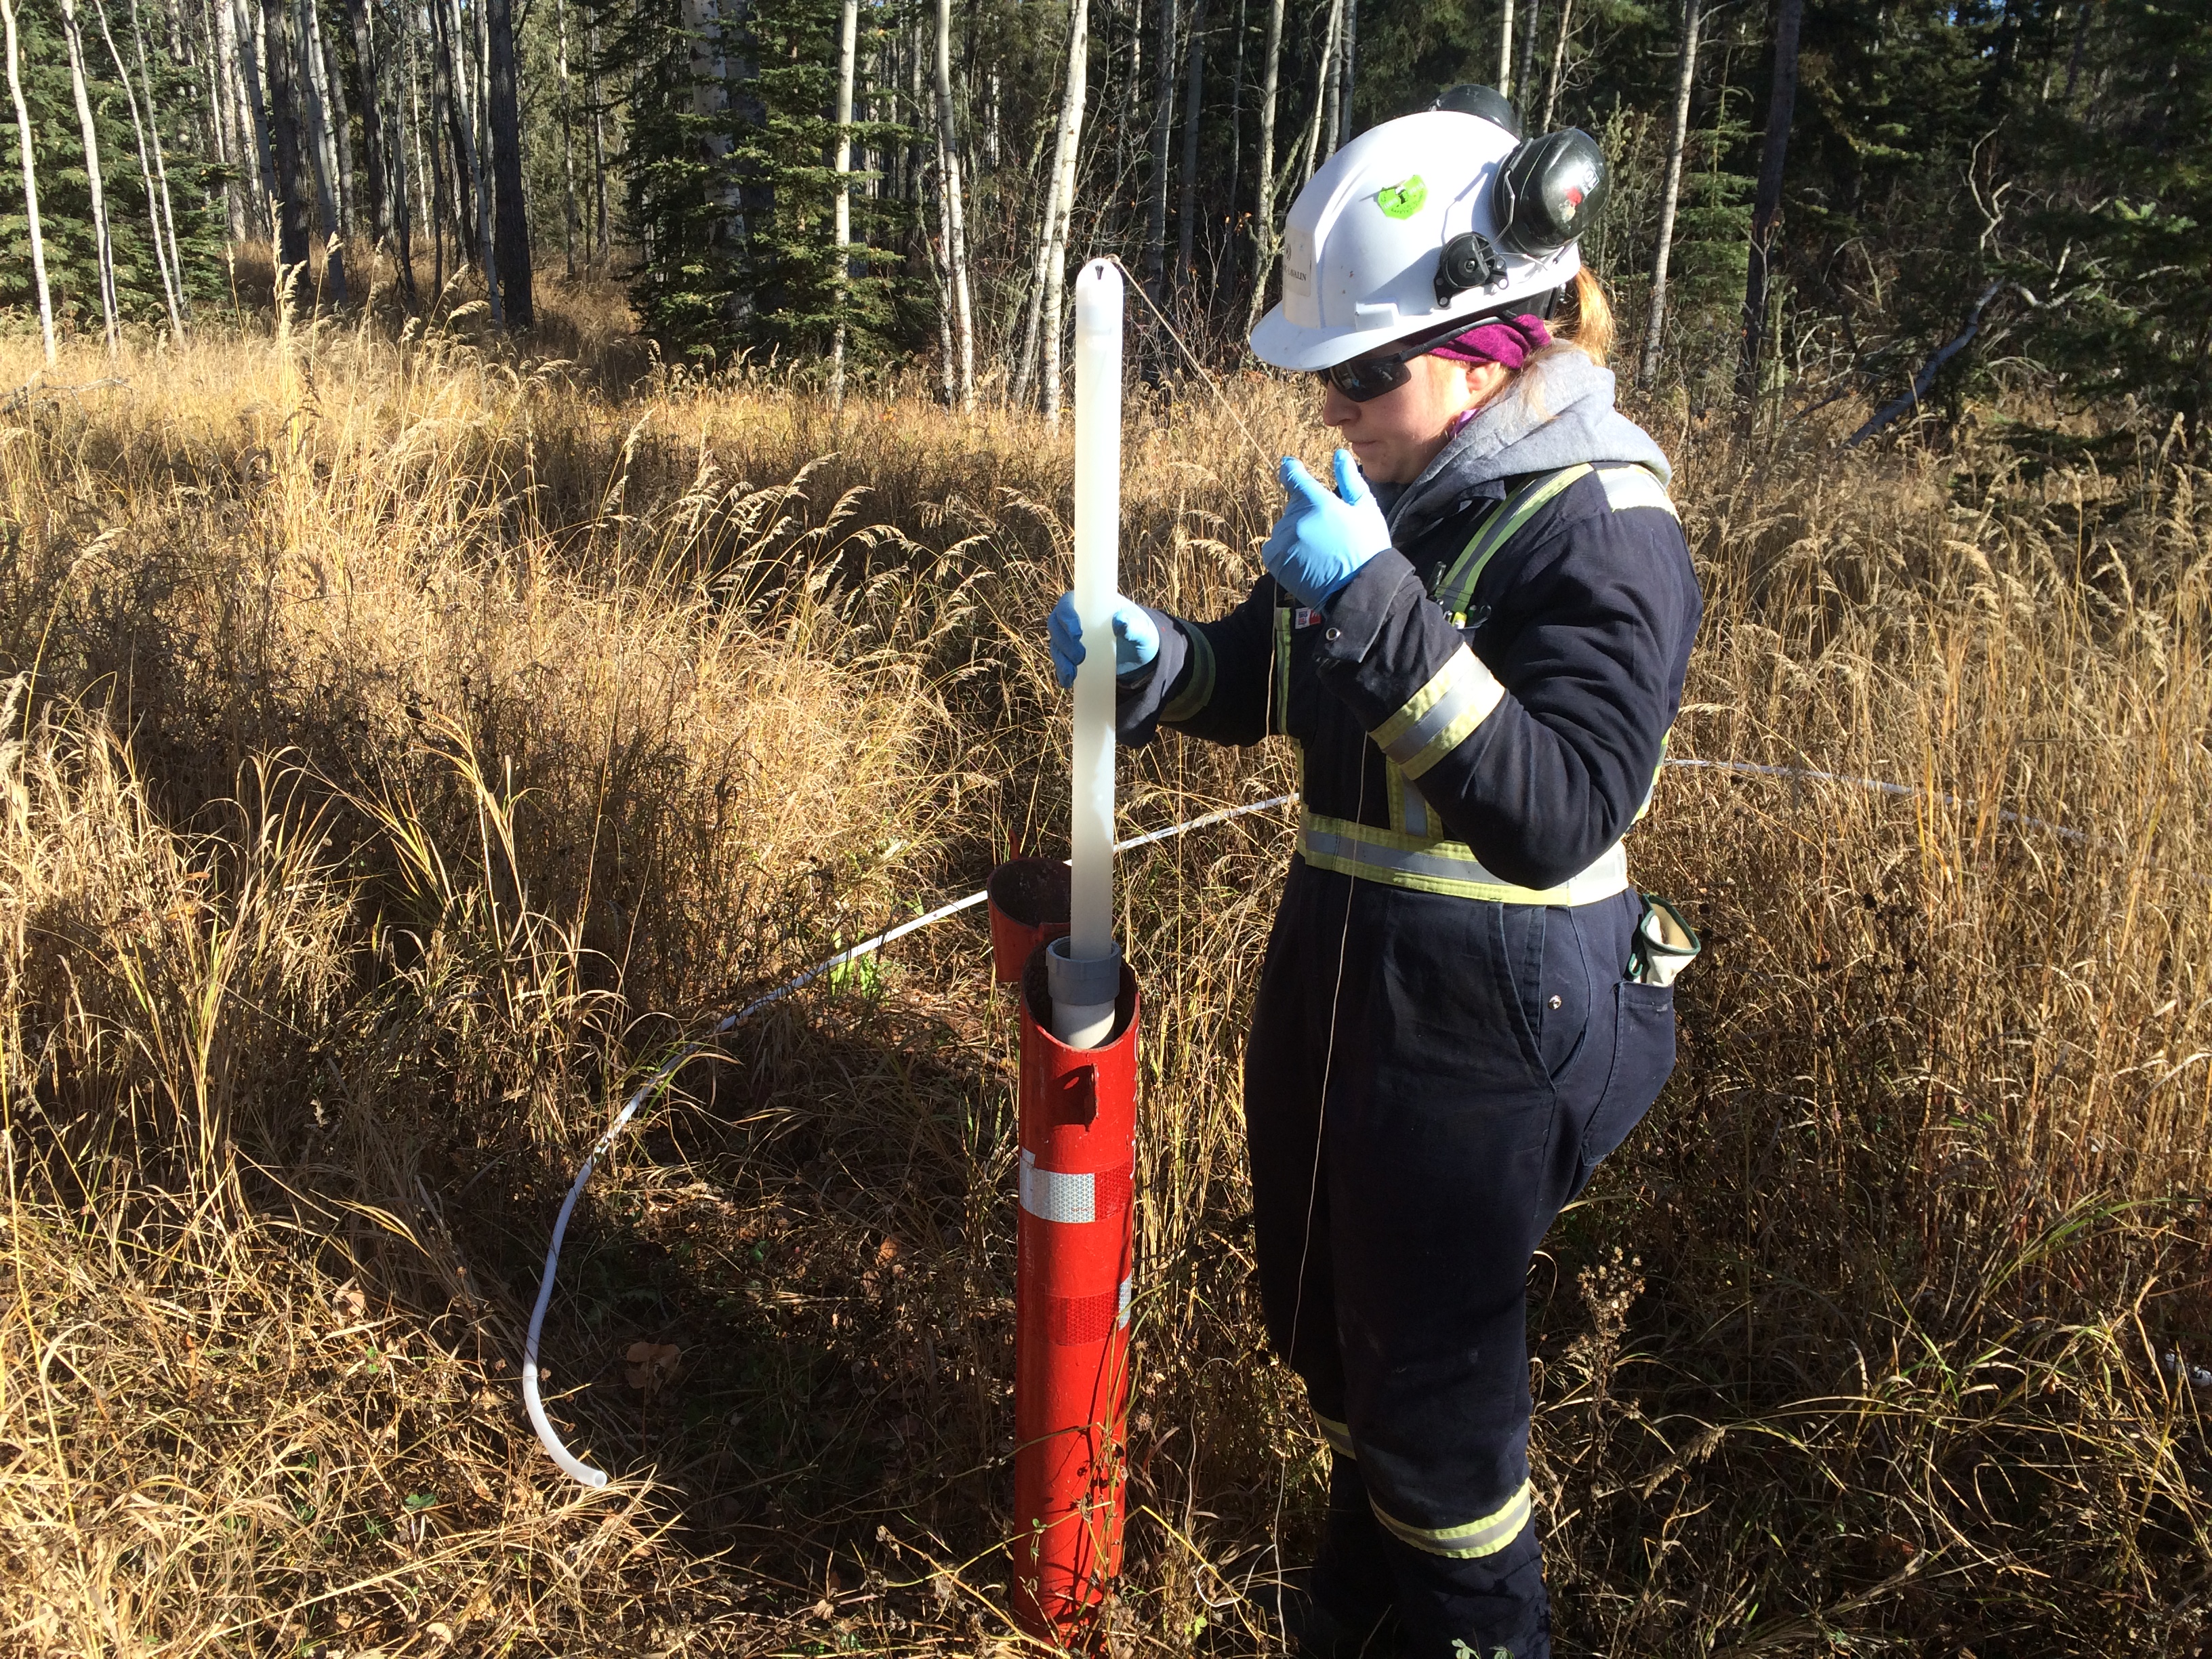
point(1481, 714)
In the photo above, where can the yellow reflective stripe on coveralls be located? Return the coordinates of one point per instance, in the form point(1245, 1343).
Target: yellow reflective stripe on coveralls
point(1485, 1536)
point(1457, 588)
point(1279, 712)
point(1436, 719)
point(1338, 1434)
point(1427, 865)
point(1198, 690)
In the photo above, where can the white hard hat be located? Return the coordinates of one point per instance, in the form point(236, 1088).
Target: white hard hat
point(1423, 220)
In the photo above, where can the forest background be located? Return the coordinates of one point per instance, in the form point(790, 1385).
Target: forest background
point(497, 570)
point(1823, 196)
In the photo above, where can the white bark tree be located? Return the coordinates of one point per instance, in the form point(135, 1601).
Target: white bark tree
point(103, 247)
point(1066, 146)
point(30, 182)
point(1505, 47)
point(167, 223)
point(1558, 65)
point(1678, 135)
point(848, 20)
point(951, 215)
point(571, 219)
point(162, 250)
point(1263, 210)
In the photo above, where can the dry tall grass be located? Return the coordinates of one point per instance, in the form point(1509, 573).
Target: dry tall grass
point(406, 747)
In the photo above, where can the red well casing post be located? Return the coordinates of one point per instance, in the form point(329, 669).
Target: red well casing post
point(1073, 1277)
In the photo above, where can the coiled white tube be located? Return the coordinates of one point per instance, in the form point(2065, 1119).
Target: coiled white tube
point(579, 1470)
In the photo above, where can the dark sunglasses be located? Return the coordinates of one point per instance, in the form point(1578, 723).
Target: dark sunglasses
point(1369, 377)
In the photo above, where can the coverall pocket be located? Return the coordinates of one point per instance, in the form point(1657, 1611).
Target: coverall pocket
point(1642, 1059)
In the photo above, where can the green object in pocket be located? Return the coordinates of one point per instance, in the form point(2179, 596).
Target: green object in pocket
point(1665, 944)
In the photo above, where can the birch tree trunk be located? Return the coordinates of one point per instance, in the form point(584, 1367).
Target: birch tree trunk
point(467, 67)
point(467, 176)
point(399, 198)
point(373, 137)
point(338, 123)
point(1332, 75)
point(710, 101)
point(30, 182)
point(848, 18)
point(104, 250)
point(1193, 98)
point(1348, 63)
point(953, 216)
point(1235, 124)
point(1678, 135)
point(572, 222)
point(165, 227)
point(1263, 209)
point(1558, 65)
point(1156, 209)
point(146, 172)
point(222, 92)
point(1322, 77)
point(516, 299)
point(1766, 204)
point(1505, 48)
point(1524, 67)
point(1066, 145)
point(249, 23)
point(281, 62)
point(598, 148)
point(320, 151)
point(1025, 361)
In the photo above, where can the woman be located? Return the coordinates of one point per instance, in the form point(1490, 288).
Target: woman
point(1479, 640)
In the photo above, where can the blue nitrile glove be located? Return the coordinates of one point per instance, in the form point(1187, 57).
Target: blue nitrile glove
point(1321, 541)
point(1136, 640)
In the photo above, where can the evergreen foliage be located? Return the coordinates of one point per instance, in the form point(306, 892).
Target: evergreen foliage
point(65, 187)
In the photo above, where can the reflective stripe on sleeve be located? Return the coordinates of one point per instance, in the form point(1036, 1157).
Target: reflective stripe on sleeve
point(1634, 486)
point(1198, 688)
point(1436, 719)
point(1485, 1536)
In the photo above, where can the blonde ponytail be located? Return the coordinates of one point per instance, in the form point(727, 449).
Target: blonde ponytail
point(1584, 320)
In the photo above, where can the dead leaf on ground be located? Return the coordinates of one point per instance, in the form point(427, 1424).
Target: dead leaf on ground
point(651, 1364)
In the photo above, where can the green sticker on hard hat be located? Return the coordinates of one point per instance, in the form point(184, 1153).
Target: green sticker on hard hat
point(1402, 201)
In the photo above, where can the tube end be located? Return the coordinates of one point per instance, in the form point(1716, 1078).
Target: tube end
point(1083, 992)
point(1098, 298)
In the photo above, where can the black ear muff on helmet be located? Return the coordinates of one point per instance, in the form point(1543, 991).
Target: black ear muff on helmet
point(1487, 102)
point(1548, 192)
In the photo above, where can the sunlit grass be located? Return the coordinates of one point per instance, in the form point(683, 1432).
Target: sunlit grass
point(408, 746)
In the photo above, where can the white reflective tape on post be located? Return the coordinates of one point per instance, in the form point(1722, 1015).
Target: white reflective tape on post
point(1128, 1291)
point(1050, 1195)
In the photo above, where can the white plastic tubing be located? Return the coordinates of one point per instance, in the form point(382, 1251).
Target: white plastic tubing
point(579, 1470)
point(571, 1465)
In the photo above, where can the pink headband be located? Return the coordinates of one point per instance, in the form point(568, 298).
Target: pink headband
point(1507, 342)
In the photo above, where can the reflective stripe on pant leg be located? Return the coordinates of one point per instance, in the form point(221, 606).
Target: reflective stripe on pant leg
point(1484, 1536)
point(1338, 1434)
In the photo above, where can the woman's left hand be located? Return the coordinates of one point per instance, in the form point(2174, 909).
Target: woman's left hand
point(1322, 539)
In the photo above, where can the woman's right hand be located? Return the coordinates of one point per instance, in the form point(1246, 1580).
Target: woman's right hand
point(1136, 640)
